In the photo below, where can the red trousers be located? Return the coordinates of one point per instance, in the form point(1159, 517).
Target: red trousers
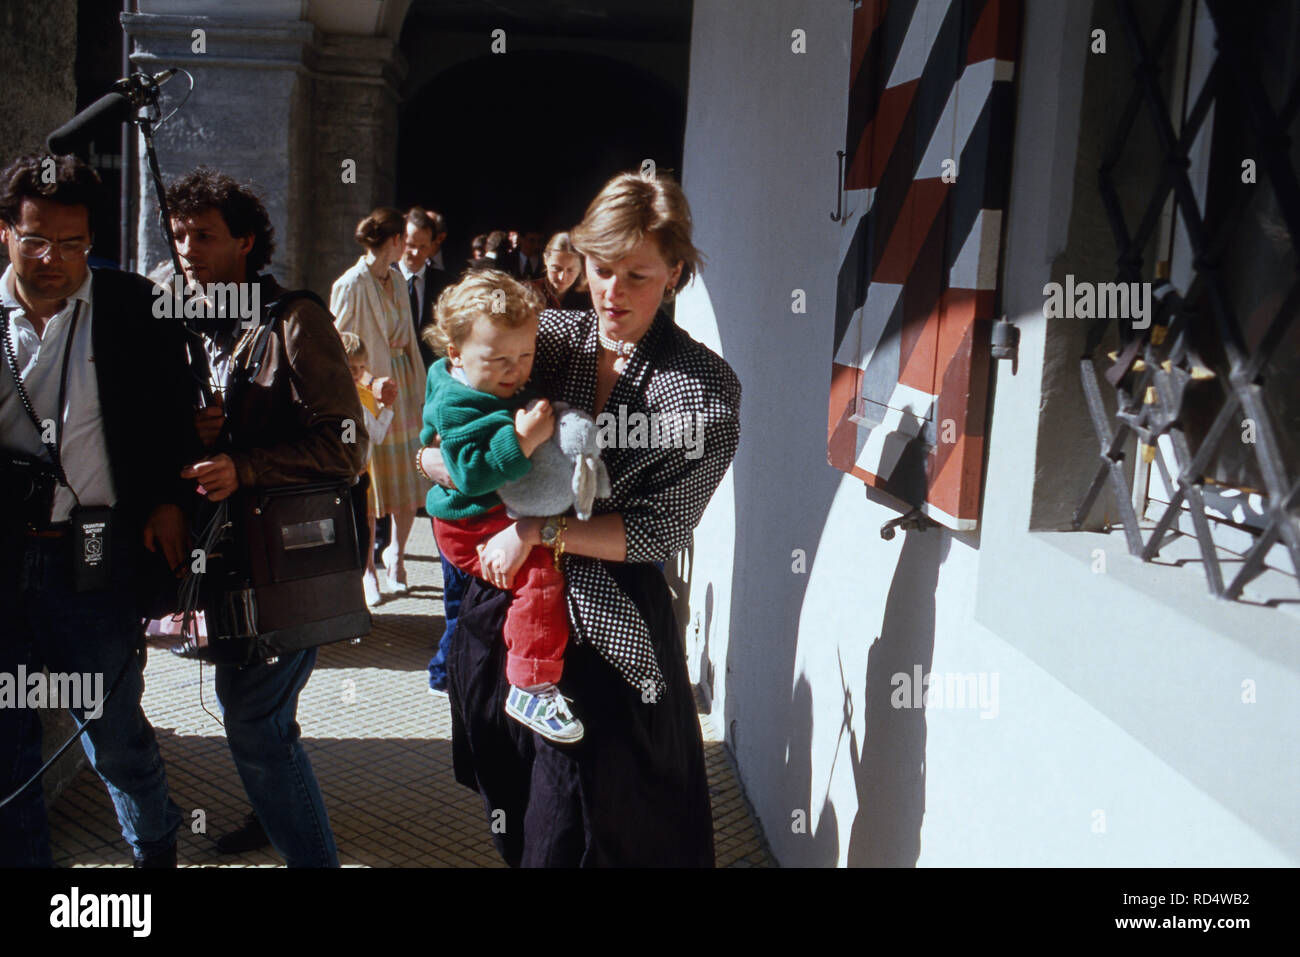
point(537, 621)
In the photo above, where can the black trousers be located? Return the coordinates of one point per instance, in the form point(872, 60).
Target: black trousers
point(633, 792)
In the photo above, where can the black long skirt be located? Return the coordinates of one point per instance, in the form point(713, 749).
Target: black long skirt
point(633, 792)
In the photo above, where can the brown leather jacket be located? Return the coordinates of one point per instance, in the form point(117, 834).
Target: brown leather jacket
point(296, 418)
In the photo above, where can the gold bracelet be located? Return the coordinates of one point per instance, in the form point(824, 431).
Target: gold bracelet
point(419, 465)
point(558, 547)
point(552, 535)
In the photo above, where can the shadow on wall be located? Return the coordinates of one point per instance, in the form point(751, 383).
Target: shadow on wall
point(889, 763)
point(693, 630)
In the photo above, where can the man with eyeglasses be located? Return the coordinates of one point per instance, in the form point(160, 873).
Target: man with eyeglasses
point(94, 391)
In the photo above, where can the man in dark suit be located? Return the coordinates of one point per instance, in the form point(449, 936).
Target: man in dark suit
point(91, 354)
point(423, 270)
point(526, 262)
point(426, 277)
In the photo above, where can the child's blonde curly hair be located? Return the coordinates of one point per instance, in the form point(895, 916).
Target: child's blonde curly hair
point(354, 346)
point(485, 292)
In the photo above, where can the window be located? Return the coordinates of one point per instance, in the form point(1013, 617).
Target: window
point(1211, 386)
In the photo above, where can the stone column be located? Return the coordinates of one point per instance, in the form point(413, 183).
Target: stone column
point(354, 119)
point(281, 105)
point(38, 46)
point(247, 116)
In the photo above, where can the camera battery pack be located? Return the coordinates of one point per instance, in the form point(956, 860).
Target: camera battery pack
point(91, 546)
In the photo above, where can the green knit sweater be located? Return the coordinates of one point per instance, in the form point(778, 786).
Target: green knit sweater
point(479, 445)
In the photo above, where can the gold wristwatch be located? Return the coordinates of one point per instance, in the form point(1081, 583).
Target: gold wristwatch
point(553, 535)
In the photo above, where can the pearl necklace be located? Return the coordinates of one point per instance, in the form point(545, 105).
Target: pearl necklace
point(616, 346)
point(622, 350)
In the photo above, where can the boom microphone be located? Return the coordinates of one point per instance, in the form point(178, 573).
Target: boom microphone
point(109, 110)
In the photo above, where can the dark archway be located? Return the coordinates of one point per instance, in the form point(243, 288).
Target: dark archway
point(527, 140)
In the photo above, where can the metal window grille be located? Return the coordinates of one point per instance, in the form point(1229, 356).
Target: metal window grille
point(1159, 371)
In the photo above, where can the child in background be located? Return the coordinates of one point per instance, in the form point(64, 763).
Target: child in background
point(486, 326)
point(379, 416)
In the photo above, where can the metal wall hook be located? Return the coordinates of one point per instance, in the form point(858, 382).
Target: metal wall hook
point(839, 189)
point(1004, 340)
point(915, 520)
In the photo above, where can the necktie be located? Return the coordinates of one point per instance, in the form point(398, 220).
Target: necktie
point(415, 302)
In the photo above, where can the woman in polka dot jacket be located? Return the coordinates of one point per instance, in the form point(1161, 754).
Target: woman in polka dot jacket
point(634, 791)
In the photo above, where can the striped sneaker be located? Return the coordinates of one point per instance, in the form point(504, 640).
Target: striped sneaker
point(546, 711)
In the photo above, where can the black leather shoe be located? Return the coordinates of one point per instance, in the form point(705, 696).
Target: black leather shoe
point(165, 858)
point(247, 837)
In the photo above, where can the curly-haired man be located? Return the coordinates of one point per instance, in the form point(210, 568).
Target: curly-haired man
point(283, 421)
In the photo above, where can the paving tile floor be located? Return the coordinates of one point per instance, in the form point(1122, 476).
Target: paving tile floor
point(381, 747)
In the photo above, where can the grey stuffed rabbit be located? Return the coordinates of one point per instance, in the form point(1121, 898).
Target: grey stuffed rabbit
point(567, 471)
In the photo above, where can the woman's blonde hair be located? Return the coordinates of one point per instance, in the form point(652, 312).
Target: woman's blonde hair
point(631, 207)
point(500, 297)
point(562, 244)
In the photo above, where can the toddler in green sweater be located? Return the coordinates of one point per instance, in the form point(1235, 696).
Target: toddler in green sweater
point(489, 426)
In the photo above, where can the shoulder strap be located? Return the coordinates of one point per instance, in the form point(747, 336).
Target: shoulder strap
point(276, 307)
point(12, 361)
point(272, 313)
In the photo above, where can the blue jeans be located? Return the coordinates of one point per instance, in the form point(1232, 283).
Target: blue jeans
point(24, 831)
point(260, 704)
point(74, 633)
point(454, 583)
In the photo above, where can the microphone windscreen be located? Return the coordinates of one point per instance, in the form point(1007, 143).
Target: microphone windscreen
point(109, 109)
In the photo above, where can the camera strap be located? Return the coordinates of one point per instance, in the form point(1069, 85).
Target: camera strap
point(12, 358)
point(272, 315)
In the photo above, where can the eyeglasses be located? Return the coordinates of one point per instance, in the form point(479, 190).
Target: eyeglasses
point(38, 247)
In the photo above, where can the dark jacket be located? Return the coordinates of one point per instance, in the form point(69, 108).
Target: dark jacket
point(290, 419)
point(435, 281)
point(572, 299)
point(517, 269)
point(146, 396)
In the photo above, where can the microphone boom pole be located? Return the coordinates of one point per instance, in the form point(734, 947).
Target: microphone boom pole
point(131, 100)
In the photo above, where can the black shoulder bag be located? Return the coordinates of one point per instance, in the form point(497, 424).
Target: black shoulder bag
point(290, 577)
point(29, 481)
point(26, 481)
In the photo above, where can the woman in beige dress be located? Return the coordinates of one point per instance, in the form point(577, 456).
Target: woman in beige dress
point(371, 300)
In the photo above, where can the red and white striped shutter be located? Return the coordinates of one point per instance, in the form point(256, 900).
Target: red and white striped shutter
point(930, 91)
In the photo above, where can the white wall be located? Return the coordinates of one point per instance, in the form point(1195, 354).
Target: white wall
point(1118, 695)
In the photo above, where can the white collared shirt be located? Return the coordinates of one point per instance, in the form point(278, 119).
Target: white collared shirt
point(84, 447)
point(407, 274)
